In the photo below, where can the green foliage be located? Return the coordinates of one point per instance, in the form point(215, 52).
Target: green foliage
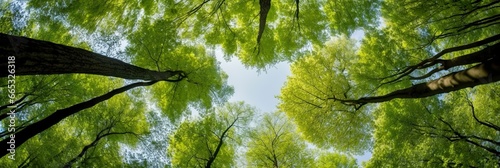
point(94, 15)
point(414, 133)
point(326, 160)
point(233, 25)
point(195, 141)
point(439, 131)
point(6, 16)
point(275, 143)
point(429, 140)
point(407, 133)
point(305, 99)
point(157, 46)
point(420, 22)
point(64, 141)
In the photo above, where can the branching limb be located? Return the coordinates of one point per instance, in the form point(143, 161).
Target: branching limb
point(435, 59)
point(40, 126)
point(485, 123)
point(484, 73)
point(476, 57)
point(104, 133)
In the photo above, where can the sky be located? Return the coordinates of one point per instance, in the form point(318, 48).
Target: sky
point(257, 89)
point(260, 89)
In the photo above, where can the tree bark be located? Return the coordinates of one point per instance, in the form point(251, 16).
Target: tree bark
point(265, 6)
point(37, 57)
point(483, 73)
point(40, 126)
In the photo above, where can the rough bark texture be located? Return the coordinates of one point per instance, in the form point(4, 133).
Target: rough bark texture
point(36, 57)
point(40, 126)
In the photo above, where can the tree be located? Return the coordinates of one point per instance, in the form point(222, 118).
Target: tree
point(214, 137)
point(341, 92)
point(274, 143)
point(66, 140)
point(200, 68)
point(327, 123)
point(459, 132)
point(36, 57)
point(283, 30)
point(335, 82)
point(104, 133)
point(33, 129)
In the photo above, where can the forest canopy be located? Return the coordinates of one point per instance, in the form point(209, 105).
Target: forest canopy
point(411, 83)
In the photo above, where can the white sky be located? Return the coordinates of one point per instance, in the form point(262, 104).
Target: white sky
point(256, 89)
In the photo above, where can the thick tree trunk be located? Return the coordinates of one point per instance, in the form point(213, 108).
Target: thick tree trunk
point(483, 73)
point(265, 6)
point(40, 126)
point(36, 57)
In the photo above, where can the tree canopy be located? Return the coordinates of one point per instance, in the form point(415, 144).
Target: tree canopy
point(424, 49)
point(104, 84)
point(215, 136)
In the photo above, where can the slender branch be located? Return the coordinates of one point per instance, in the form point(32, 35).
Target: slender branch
point(488, 124)
point(16, 102)
point(93, 144)
point(430, 73)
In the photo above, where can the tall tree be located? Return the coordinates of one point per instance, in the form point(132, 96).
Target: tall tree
point(197, 90)
point(21, 136)
point(210, 141)
point(67, 139)
point(422, 49)
point(36, 57)
point(423, 55)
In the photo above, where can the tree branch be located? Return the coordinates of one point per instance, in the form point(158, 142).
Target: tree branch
point(484, 73)
point(433, 60)
point(488, 124)
point(476, 57)
point(40, 126)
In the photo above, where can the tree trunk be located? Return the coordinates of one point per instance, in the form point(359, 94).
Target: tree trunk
point(36, 57)
point(483, 73)
point(40, 126)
